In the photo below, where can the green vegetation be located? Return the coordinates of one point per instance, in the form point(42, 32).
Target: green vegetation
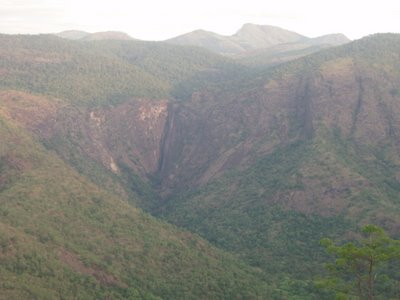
point(61, 236)
point(273, 214)
point(366, 270)
point(264, 163)
point(100, 72)
point(277, 55)
point(239, 213)
point(63, 69)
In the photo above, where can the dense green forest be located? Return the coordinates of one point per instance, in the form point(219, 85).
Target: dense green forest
point(102, 72)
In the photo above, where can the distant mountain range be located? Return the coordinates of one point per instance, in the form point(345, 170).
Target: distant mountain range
point(253, 37)
point(249, 38)
point(86, 36)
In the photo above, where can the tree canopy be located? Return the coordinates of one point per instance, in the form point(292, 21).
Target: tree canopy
point(365, 269)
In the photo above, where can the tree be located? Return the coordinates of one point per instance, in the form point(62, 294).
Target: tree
point(360, 266)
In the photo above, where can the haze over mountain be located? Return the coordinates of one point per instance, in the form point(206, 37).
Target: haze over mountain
point(253, 37)
point(248, 38)
point(86, 36)
point(253, 160)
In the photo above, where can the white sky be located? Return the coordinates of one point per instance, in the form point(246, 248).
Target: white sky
point(157, 20)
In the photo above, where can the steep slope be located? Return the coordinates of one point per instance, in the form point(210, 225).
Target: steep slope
point(114, 97)
point(63, 236)
point(280, 106)
point(308, 150)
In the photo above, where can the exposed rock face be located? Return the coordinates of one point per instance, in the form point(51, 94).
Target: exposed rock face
point(213, 133)
point(133, 132)
point(128, 134)
point(189, 143)
point(208, 136)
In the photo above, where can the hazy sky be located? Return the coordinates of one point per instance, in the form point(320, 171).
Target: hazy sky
point(156, 19)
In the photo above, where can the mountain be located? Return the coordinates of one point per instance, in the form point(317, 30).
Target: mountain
point(275, 55)
point(310, 149)
point(284, 52)
point(107, 35)
point(252, 164)
point(73, 34)
point(63, 236)
point(209, 40)
point(99, 71)
point(69, 228)
point(86, 36)
point(329, 39)
point(253, 37)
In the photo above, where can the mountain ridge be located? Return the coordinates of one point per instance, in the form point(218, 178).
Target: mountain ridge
point(96, 36)
point(249, 37)
point(252, 37)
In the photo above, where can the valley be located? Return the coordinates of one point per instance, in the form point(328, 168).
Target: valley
point(149, 170)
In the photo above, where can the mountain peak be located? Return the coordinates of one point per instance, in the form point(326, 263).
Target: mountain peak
point(209, 40)
point(252, 26)
point(253, 36)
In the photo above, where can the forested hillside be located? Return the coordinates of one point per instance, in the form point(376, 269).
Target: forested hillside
point(145, 170)
point(99, 72)
point(305, 151)
point(62, 236)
